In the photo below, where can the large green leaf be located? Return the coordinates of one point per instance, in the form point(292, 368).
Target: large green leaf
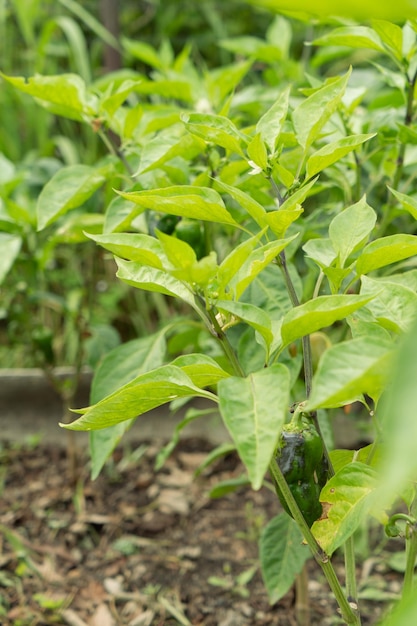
point(253, 208)
point(271, 123)
point(252, 315)
point(10, 248)
point(257, 152)
point(118, 368)
point(119, 215)
point(65, 94)
point(385, 251)
point(68, 189)
point(298, 196)
point(126, 362)
point(394, 306)
point(333, 152)
point(160, 150)
point(145, 392)
point(216, 129)
point(318, 313)
point(230, 266)
point(144, 52)
point(143, 249)
point(349, 230)
point(353, 37)
point(347, 500)
point(392, 36)
point(200, 203)
point(258, 260)
point(254, 409)
point(385, 9)
point(312, 114)
point(269, 292)
point(222, 81)
point(350, 369)
point(179, 253)
point(202, 370)
point(282, 554)
point(321, 250)
point(409, 203)
point(153, 279)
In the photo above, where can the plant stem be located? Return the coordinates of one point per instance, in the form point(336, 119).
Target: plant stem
point(411, 553)
point(113, 149)
point(350, 569)
point(217, 331)
point(349, 615)
point(302, 605)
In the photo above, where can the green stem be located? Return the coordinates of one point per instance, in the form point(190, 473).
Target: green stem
point(220, 335)
point(411, 553)
point(113, 149)
point(302, 604)
point(350, 569)
point(349, 615)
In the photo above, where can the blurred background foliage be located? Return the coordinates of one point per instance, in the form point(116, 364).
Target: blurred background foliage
point(60, 302)
point(57, 299)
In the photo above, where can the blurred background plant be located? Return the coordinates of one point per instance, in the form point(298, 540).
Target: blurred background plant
point(135, 71)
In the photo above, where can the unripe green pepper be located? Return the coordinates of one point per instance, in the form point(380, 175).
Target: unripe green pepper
point(300, 456)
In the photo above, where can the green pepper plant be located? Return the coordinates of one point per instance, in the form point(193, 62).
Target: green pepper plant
point(273, 217)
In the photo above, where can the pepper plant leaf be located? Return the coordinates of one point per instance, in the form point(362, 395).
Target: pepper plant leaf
point(68, 189)
point(371, 9)
point(350, 369)
point(253, 316)
point(64, 94)
point(118, 368)
point(145, 392)
point(347, 500)
point(137, 247)
point(282, 554)
point(251, 206)
point(352, 37)
point(349, 230)
point(253, 410)
point(153, 279)
point(279, 221)
point(10, 247)
point(202, 370)
point(231, 265)
point(216, 129)
point(200, 203)
point(318, 313)
point(270, 124)
point(393, 306)
point(313, 113)
point(255, 263)
point(257, 152)
point(384, 251)
point(408, 202)
point(160, 150)
point(333, 152)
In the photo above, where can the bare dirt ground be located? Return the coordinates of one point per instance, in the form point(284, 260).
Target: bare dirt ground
point(135, 548)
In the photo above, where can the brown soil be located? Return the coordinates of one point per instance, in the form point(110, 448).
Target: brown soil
point(135, 548)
